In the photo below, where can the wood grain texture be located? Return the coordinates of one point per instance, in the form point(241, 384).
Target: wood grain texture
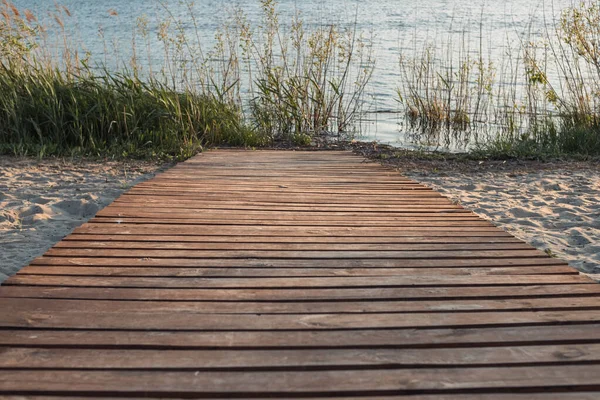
point(279, 274)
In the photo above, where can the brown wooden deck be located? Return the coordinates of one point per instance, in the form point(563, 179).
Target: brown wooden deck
point(296, 274)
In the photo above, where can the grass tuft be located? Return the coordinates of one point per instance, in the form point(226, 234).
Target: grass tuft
point(51, 112)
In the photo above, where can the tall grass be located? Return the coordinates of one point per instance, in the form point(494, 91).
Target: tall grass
point(304, 83)
point(541, 99)
point(54, 112)
point(253, 86)
point(59, 104)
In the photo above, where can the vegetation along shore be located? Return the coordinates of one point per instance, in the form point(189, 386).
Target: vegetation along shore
point(259, 84)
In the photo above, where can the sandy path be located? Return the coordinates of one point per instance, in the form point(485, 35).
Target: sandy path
point(43, 201)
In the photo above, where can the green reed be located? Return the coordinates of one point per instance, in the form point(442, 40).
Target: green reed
point(510, 107)
point(304, 83)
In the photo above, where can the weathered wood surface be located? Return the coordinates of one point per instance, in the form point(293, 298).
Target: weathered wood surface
point(276, 274)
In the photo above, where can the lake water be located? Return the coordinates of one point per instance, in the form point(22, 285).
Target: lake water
point(397, 27)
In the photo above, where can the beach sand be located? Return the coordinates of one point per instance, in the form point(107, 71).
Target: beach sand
point(557, 211)
point(43, 201)
point(555, 207)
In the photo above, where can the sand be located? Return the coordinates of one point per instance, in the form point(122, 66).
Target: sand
point(43, 201)
point(554, 209)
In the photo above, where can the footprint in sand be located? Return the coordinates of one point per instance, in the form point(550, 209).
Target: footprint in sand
point(519, 212)
point(79, 208)
point(41, 200)
point(36, 213)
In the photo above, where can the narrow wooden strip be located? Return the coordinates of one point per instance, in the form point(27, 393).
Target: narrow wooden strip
point(129, 200)
point(263, 166)
point(298, 254)
point(288, 272)
point(415, 196)
point(300, 174)
point(407, 211)
point(282, 170)
point(282, 186)
point(304, 294)
point(320, 175)
point(238, 246)
point(295, 181)
point(296, 263)
point(81, 359)
point(83, 319)
point(332, 240)
point(298, 282)
point(425, 223)
point(418, 381)
point(224, 230)
point(291, 190)
point(322, 307)
point(541, 395)
point(308, 339)
point(350, 168)
point(148, 212)
point(323, 174)
point(412, 192)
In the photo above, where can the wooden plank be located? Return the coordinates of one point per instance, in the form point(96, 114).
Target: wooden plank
point(386, 381)
point(298, 282)
point(84, 319)
point(129, 200)
point(222, 189)
point(298, 231)
point(283, 185)
point(289, 272)
point(381, 240)
point(292, 223)
point(272, 360)
point(299, 254)
point(405, 211)
point(297, 263)
point(347, 247)
point(464, 338)
point(411, 192)
point(304, 294)
point(414, 196)
point(444, 216)
point(542, 395)
point(322, 307)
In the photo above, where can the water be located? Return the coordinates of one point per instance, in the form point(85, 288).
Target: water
point(398, 27)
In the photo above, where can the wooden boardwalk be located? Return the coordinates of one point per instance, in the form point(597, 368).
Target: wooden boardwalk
point(256, 274)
